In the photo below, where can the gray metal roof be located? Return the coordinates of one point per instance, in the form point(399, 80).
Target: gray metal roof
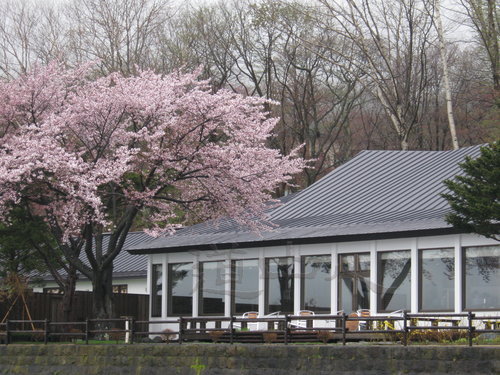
point(125, 264)
point(376, 194)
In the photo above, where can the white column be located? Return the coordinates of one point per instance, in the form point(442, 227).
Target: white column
point(262, 283)
point(196, 285)
point(164, 279)
point(414, 276)
point(227, 285)
point(148, 283)
point(373, 277)
point(459, 276)
point(334, 275)
point(297, 281)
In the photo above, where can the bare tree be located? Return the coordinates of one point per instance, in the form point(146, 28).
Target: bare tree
point(476, 109)
point(390, 40)
point(444, 62)
point(122, 35)
point(18, 27)
point(258, 49)
point(317, 98)
point(52, 41)
point(484, 17)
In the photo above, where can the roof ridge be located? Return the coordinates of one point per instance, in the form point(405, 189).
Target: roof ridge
point(461, 149)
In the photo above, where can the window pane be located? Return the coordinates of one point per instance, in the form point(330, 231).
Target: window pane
point(120, 288)
point(347, 263)
point(346, 294)
point(364, 262)
point(363, 298)
point(180, 285)
point(246, 285)
point(212, 288)
point(394, 280)
point(354, 284)
point(156, 290)
point(279, 293)
point(437, 267)
point(482, 277)
point(316, 283)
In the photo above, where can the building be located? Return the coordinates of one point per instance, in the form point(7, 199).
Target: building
point(129, 272)
point(369, 235)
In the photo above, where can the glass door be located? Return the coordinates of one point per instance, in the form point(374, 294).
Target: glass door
point(354, 281)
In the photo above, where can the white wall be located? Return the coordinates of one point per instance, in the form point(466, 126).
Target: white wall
point(135, 285)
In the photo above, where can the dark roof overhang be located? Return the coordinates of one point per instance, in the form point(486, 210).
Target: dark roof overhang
point(300, 241)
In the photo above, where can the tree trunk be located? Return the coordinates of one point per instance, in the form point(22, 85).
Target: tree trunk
point(447, 89)
point(285, 278)
point(69, 292)
point(389, 293)
point(102, 284)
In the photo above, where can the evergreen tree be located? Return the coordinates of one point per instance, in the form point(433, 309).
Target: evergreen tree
point(475, 196)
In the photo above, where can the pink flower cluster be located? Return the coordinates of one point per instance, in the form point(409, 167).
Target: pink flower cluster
point(70, 145)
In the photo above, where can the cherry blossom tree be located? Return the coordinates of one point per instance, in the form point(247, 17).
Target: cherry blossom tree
point(98, 155)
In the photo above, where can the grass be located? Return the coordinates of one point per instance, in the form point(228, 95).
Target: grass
point(78, 342)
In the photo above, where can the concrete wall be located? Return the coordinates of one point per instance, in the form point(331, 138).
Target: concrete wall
point(212, 359)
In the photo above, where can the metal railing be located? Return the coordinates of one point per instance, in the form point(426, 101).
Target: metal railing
point(281, 328)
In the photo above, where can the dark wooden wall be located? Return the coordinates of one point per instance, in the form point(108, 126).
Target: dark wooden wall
point(49, 306)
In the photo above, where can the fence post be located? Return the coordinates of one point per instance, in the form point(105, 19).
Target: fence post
point(87, 331)
point(127, 329)
point(470, 327)
point(343, 327)
point(181, 329)
point(132, 329)
point(7, 332)
point(231, 330)
point(46, 333)
point(286, 328)
point(405, 328)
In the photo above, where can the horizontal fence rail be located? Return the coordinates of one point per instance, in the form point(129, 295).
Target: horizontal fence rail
point(277, 328)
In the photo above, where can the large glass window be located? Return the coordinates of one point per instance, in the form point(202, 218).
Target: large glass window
point(354, 281)
point(394, 280)
point(437, 275)
point(316, 283)
point(245, 285)
point(156, 290)
point(180, 287)
point(279, 285)
point(212, 288)
point(482, 277)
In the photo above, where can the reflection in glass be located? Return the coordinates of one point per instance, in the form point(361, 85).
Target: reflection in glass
point(354, 293)
point(347, 262)
point(212, 286)
point(363, 300)
point(156, 290)
point(482, 277)
point(437, 275)
point(245, 285)
point(346, 293)
point(394, 280)
point(279, 285)
point(316, 284)
point(180, 286)
point(364, 262)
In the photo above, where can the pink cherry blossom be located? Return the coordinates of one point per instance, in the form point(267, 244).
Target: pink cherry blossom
point(93, 153)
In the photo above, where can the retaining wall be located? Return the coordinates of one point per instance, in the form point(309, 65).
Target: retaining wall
point(248, 359)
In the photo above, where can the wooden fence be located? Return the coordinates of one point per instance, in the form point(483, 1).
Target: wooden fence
point(49, 306)
point(278, 329)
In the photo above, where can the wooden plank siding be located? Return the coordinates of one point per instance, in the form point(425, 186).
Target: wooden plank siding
point(49, 306)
